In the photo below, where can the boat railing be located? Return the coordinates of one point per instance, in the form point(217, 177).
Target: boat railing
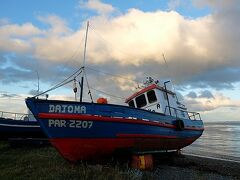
point(15, 116)
point(176, 112)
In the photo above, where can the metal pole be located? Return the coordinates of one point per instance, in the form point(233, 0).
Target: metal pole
point(81, 92)
point(84, 60)
point(167, 96)
point(85, 46)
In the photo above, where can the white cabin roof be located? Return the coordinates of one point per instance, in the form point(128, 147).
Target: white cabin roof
point(153, 86)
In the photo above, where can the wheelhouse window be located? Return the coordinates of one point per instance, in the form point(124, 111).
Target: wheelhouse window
point(141, 101)
point(131, 103)
point(151, 96)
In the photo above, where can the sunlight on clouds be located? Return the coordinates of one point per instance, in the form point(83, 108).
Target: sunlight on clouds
point(126, 83)
point(58, 25)
point(15, 30)
point(199, 51)
point(130, 38)
point(15, 105)
point(97, 5)
point(17, 38)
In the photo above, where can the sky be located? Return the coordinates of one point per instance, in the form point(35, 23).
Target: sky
point(200, 40)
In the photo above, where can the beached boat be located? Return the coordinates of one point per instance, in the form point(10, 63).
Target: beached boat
point(19, 126)
point(153, 121)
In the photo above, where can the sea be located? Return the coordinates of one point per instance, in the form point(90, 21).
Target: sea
point(219, 140)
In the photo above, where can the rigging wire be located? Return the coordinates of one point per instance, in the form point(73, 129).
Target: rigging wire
point(173, 86)
point(55, 87)
point(64, 82)
point(73, 74)
point(114, 96)
point(111, 45)
point(107, 42)
point(114, 75)
point(76, 52)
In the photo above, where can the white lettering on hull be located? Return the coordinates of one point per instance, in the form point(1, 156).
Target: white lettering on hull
point(67, 109)
point(59, 123)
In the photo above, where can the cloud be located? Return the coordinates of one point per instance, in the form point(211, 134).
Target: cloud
point(192, 95)
point(206, 101)
point(4, 21)
point(219, 5)
point(173, 4)
point(58, 26)
point(16, 30)
point(98, 6)
point(201, 52)
point(15, 37)
point(5, 95)
point(219, 78)
point(206, 94)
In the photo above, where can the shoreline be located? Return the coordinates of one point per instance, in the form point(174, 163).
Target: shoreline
point(220, 157)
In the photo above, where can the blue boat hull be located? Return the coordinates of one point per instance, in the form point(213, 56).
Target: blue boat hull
point(82, 131)
point(10, 128)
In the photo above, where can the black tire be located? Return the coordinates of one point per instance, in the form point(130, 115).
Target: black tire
point(179, 125)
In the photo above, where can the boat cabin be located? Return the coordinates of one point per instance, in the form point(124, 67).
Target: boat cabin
point(156, 98)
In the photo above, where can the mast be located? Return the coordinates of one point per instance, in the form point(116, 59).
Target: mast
point(84, 60)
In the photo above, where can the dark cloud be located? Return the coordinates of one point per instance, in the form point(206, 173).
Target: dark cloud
point(206, 94)
point(219, 78)
point(22, 68)
point(4, 95)
point(14, 75)
point(192, 94)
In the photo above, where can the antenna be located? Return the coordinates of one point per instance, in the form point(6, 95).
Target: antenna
point(38, 89)
point(164, 59)
point(169, 71)
point(84, 60)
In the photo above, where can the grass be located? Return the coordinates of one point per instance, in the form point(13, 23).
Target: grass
point(46, 163)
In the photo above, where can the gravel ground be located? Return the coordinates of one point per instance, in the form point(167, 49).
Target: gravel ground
point(194, 167)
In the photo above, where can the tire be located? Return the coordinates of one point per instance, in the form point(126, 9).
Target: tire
point(179, 125)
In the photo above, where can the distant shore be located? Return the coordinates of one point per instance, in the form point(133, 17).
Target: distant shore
point(46, 163)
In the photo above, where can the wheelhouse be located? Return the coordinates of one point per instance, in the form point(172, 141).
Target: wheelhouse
point(159, 99)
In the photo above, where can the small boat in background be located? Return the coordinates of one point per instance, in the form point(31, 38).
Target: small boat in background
point(19, 126)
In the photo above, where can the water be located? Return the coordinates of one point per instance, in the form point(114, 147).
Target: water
point(219, 140)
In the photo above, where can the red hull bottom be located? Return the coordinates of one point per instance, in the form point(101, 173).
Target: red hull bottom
point(75, 149)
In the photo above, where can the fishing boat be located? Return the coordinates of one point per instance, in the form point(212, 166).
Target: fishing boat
point(153, 120)
point(19, 126)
